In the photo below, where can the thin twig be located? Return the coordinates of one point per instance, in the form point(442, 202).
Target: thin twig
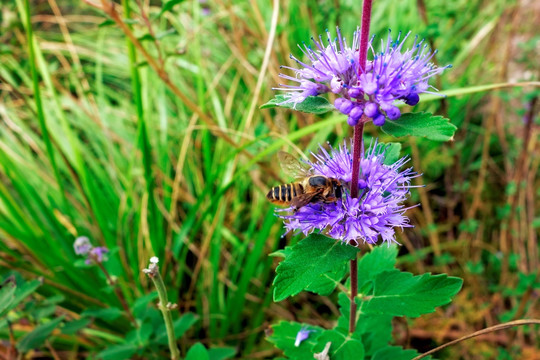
point(481, 332)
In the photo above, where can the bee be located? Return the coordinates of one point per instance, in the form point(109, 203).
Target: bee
point(307, 189)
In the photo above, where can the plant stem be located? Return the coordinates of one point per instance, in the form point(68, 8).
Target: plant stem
point(118, 293)
point(358, 150)
point(166, 312)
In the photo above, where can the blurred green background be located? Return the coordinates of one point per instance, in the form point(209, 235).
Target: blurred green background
point(148, 139)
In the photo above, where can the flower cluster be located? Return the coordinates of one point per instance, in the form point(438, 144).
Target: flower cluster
point(83, 246)
point(393, 74)
point(379, 208)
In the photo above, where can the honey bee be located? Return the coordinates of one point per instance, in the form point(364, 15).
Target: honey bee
point(307, 189)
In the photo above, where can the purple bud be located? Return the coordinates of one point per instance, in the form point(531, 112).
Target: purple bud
point(379, 120)
point(346, 106)
point(338, 102)
point(371, 110)
point(352, 121)
point(392, 112)
point(356, 113)
point(355, 93)
point(302, 335)
point(362, 184)
point(412, 99)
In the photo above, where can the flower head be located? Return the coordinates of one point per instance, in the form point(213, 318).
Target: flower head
point(153, 267)
point(393, 74)
point(301, 335)
point(83, 246)
point(377, 211)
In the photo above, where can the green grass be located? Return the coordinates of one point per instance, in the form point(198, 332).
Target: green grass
point(93, 142)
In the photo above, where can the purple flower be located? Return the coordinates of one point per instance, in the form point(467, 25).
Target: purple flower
point(377, 211)
point(302, 335)
point(393, 74)
point(83, 246)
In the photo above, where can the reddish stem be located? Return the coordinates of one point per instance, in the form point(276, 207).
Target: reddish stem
point(358, 151)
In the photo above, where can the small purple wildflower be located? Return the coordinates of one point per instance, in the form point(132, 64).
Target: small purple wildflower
point(377, 211)
point(393, 74)
point(83, 246)
point(302, 335)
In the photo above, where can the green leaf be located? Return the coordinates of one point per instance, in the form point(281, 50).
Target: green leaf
point(221, 353)
point(72, 327)
point(118, 352)
point(140, 335)
point(421, 124)
point(326, 283)
point(197, 352)
point(168, 6)
point(284, 336)
point(381, 258)
point(395, 353)
point(402, 294)
point(374, 330)
point(312, 104)
point(37, 337)
point(102, 313)
point(7, 295)
point(310, 260)
point(25, 290)
point(392, 152)
point(343, 346)
point(181, 325)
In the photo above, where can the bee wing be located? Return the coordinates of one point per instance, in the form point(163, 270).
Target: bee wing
point(292, 166)
point(304, 199)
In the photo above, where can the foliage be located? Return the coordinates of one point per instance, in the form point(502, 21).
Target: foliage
point(139, 171)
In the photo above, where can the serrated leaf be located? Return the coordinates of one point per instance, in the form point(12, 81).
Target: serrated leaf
point(118, 352)
point(381, 258)
point(7, 295)
point(326, 283)
point(181, 325)
point(103, 313)
point(395, 353)
point(310, 259)
point(284, 336)
point(37, 337)
point(421, 124)
point(392, 153)
point(72, 327)
point(312, 104)
point(197, 352)
point(374, 330)
point(343, 346)
point(221, 353)
point(399, 293)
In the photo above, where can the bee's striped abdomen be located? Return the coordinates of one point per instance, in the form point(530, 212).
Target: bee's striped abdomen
point(284, 194)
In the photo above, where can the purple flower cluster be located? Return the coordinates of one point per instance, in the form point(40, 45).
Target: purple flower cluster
point(393, 74)
point(83, 246)
point(379, 208)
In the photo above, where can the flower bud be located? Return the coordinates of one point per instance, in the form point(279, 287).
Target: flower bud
point(346, 106)
point(379, 120)
point(392, 112)
point(352, 121)
point(412, 99)
point(355, 93)
point(371, 110)
point(356, 113)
